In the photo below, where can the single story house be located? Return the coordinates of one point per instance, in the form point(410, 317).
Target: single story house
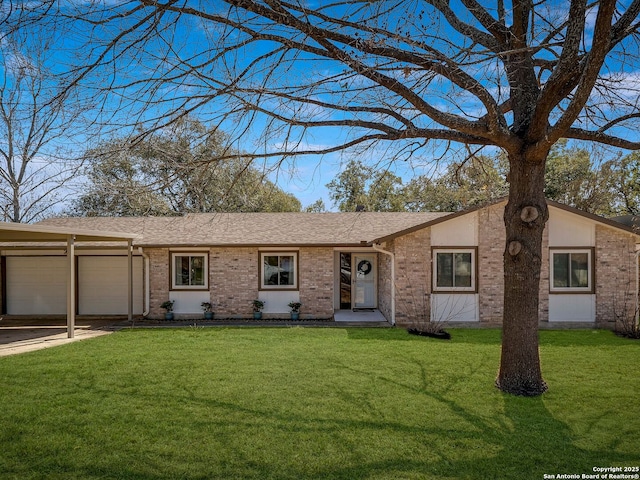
point(411, 267)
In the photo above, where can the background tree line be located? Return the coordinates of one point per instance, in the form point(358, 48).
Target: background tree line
point(173, 171)
point(574, 177)
point(178, 170)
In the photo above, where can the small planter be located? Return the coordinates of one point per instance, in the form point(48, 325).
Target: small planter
point(206, 309)
point(295, 310)
point(258, 305)
point(168, 309)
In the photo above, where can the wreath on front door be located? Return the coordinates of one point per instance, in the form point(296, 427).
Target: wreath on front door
point(364, 267)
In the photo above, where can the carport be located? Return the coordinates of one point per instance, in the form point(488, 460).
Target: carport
point(17, 233)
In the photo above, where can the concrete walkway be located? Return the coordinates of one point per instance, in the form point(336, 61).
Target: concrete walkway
point(39, 340)
point(19, 335)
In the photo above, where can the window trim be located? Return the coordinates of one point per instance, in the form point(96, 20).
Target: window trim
point(172, 267)
point(434, 269)
point(296, 270)
point(590, 251)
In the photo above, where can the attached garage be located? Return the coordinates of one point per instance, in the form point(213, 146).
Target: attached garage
point(47, 284)
point(102, 285)
point(36, 285)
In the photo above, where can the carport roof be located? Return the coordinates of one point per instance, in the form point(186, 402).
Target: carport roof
point(20, 232)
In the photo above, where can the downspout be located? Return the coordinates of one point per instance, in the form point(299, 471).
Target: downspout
point(378, 248)
point(147, 287)
point(130, 280)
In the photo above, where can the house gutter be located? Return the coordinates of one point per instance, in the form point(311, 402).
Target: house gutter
point(147, 288)
point(378, 248)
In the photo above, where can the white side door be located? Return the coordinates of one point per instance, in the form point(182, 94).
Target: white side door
point(364, 275)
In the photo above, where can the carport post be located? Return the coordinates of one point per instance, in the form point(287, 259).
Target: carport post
point(71, 286)
point(130, 278)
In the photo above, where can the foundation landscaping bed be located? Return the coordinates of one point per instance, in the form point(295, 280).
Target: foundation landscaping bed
point(315, 403)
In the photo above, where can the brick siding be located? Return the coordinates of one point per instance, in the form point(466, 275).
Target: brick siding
point(491, 245)
point(384, 281)
point(233, 279)
point(316, 281)
point(158, 279)
point(413, 277)
point(615, 275)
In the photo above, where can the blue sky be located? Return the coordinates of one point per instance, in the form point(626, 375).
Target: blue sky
point(304, 176)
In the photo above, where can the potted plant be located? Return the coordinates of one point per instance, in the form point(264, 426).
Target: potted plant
point(258, 305)
point(206, 308)
point(168, 306)
point(295, 310)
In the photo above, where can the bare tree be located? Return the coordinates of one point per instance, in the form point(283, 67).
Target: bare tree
point(37, 165)
point(394, 75)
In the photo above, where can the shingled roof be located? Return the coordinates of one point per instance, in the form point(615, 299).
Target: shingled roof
point(255, 229)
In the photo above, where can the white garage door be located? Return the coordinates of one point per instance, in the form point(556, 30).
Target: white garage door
point(102, 285)
point(36, 285)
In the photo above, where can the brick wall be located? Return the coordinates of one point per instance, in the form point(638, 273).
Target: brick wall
point(316, 281)
point(413, 277)
point(615, 275)
point(233, 280)
point(234, 277)
point(158, 279)
point(491, 244)
point(543, 306)
point(384, 281)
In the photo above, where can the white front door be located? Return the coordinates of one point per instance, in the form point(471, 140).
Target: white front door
point(364, 277)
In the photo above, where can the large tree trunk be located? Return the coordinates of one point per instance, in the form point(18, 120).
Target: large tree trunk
point(525, 216)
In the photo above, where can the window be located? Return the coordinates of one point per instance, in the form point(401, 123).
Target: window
point(454, 270)
point(571, 270)
point(189, 271)
point(279, 270)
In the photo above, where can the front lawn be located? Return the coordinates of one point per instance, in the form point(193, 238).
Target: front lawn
point(300, 403)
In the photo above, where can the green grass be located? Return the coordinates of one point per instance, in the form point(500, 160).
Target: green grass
point(296, 403)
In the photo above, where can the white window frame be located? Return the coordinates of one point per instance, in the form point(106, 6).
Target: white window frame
point(474, 269)
point(589, 287)
point(293, 254)
point(204, 255)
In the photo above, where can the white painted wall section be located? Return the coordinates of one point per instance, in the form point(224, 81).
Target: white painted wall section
point(569, 230)
point(455, 307)
point(572, 308)
point(189, 302)
point(278, 302)
point(458, 232)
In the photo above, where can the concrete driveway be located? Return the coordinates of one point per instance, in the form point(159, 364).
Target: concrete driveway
point(19, 335)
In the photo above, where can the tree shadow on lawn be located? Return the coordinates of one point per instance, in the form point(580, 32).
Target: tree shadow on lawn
point(523, 440)
point(526, 443)
point(508, 437)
